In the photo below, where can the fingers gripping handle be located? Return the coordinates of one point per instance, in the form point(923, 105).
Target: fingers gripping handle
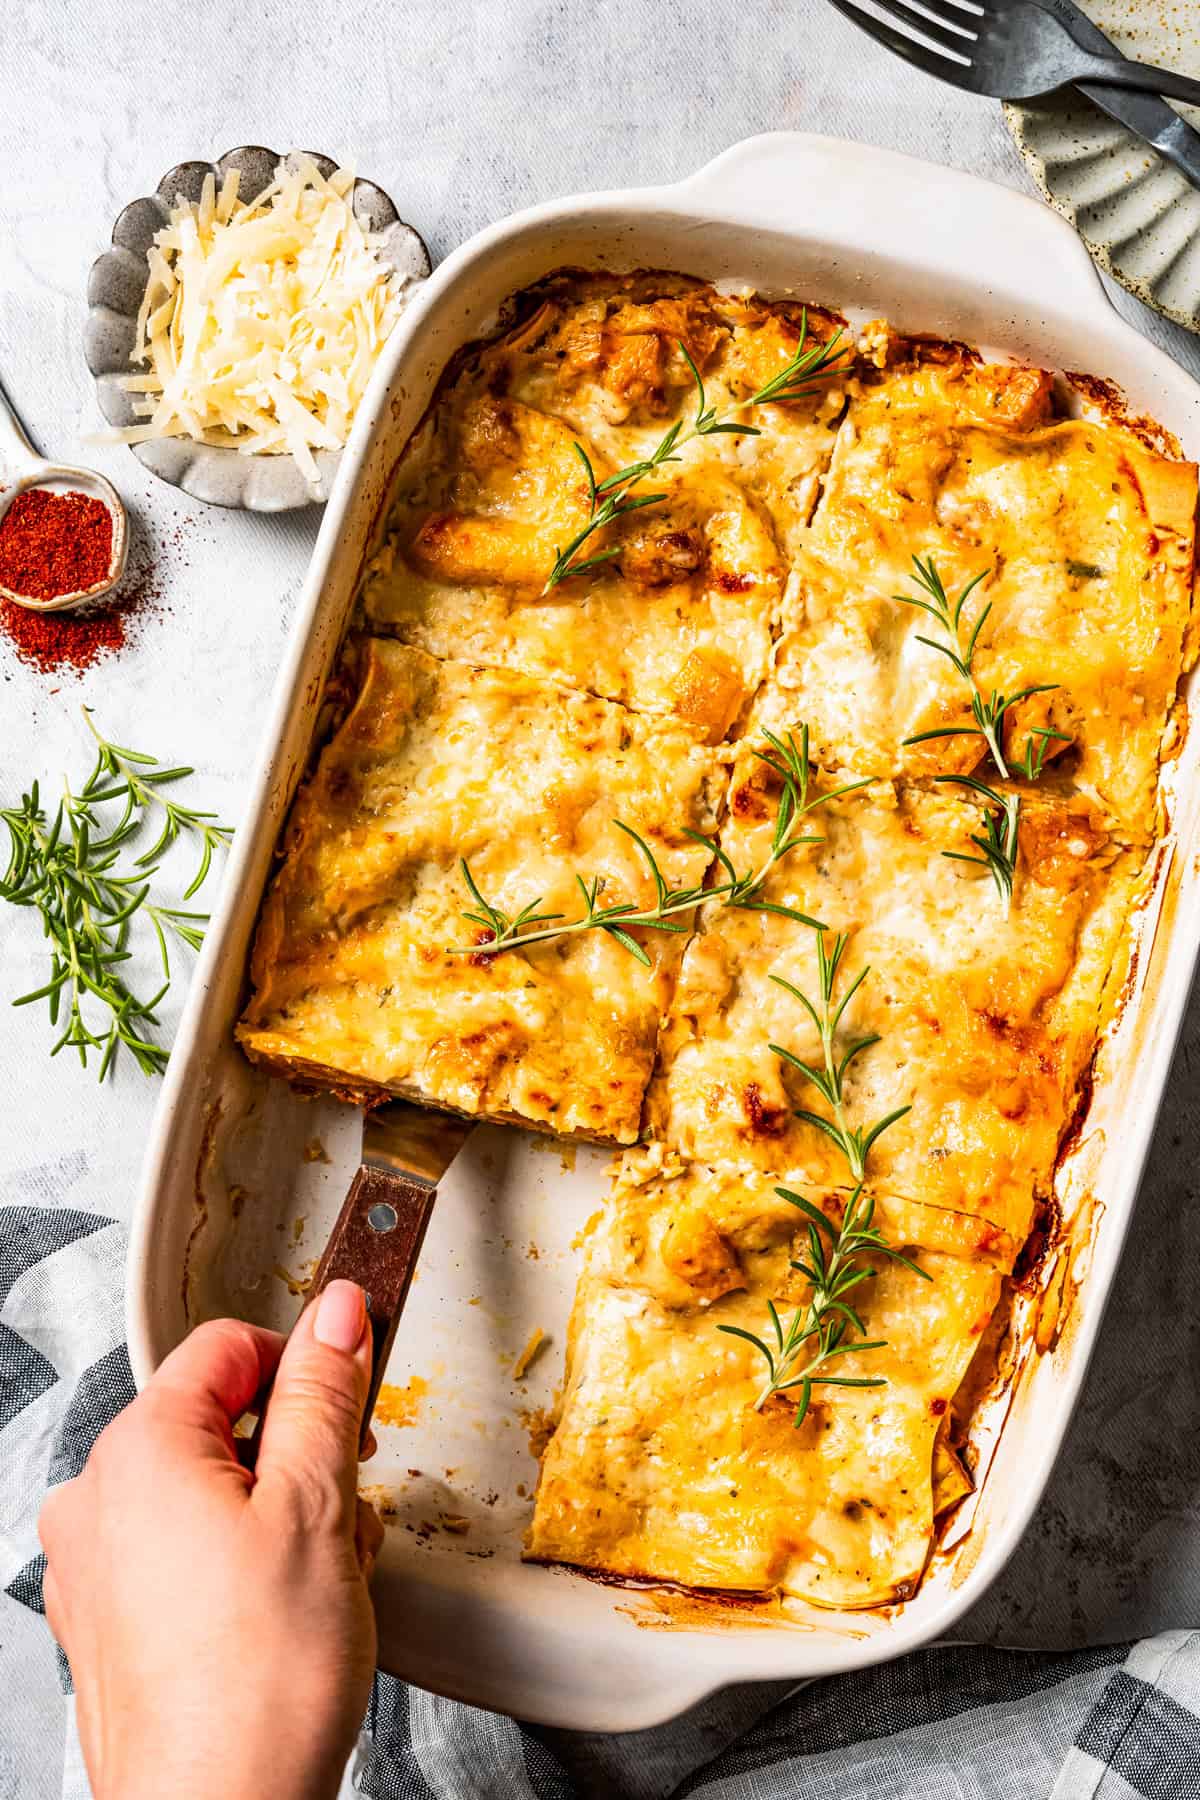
point(375, 1242)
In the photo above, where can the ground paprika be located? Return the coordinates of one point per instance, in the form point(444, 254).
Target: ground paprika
point(52, 544)
point(63, 640)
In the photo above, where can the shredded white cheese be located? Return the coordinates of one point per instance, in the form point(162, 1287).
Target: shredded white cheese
point(261, 323)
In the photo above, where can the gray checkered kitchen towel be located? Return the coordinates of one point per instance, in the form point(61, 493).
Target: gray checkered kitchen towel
point(1080, 1679)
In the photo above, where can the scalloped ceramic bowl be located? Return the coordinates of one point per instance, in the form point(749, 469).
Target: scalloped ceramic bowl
point(1139, 218)
point(213, 472)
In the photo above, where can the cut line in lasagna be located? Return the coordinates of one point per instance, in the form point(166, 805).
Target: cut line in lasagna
point(753, 607)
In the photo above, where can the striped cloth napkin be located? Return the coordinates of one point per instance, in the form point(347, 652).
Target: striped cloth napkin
point(969, 1721)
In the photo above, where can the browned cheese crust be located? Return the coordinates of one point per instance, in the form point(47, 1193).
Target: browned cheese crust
point(487, 713)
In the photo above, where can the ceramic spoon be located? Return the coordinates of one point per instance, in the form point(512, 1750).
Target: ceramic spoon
point(21, 467)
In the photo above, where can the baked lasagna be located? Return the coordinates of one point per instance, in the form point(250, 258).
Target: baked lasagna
point(368, 979)
point(746, 750)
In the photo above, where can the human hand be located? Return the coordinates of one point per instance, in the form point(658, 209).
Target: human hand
point(217, 1622)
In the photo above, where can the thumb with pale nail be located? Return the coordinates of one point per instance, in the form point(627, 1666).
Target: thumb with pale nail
point(314, 1415)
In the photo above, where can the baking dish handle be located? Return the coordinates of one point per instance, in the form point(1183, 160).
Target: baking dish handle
point(853, 194)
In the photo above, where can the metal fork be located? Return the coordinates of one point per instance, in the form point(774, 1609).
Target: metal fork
point(1005, 49)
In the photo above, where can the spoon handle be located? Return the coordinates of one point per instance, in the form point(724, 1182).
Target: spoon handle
point(17, 454)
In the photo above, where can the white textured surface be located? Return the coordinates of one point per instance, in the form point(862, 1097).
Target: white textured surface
point(463, 112)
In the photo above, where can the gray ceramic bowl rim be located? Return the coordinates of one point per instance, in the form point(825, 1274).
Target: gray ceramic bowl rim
point(213, 472)
point(1017, 118)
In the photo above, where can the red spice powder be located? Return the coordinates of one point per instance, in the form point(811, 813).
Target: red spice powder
point(53, 544)
point(64, 639)
point(72, 641)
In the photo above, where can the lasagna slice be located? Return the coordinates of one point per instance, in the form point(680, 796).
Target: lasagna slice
point(359, 983)
point(679, 616)
point(663, 1465)
point(1083, 538)
point(982, 1018)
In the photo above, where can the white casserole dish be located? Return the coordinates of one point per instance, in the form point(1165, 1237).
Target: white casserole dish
point(231, 1203)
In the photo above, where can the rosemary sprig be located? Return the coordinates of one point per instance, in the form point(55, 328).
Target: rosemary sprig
point(997, 842)
point(530, 925)
point(854, 1142)
point(822, 1328)
point(138, 779)
point(789, 761)
point(66, 867)
point(613, 497)
point(835, 1267)
point(988, 709)
point(1037, 747)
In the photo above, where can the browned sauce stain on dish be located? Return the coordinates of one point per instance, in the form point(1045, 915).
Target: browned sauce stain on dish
point(682, 1612)
point(1060, 1316)
point(660, 1605)
point(654, 1585)
point(1043, 1236)
point(400, 1406)
point(1167, 875)
point(961, 1559)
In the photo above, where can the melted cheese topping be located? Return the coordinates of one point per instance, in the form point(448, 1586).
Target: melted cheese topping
point(354, 986)
point(512, 725)
point(681, 620)
point(984, 1021)
point(1085, 539)
point(661, 1466)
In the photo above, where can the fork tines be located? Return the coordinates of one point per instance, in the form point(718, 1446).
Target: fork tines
point(945, 26)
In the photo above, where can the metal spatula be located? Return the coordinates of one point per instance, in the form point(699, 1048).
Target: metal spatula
point(381, 1227)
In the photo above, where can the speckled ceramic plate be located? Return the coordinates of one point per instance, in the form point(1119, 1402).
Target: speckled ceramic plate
point(1139, 217)
point(118, 280)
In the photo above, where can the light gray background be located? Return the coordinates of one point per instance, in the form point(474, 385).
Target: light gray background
point(465, 111)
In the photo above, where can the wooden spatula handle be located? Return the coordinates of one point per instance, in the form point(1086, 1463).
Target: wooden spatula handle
point(376, 1242)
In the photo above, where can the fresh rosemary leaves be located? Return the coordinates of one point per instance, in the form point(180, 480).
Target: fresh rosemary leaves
point(138, 779)
point(798, 1354)
point(789, 761)
point(854, 1142)
point(997, 842)
point(529, 926)
point(820, 1331)
point(613, 497)
point(67, 868)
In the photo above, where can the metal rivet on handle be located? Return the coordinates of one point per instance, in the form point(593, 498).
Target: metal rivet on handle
point(383, 1217)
